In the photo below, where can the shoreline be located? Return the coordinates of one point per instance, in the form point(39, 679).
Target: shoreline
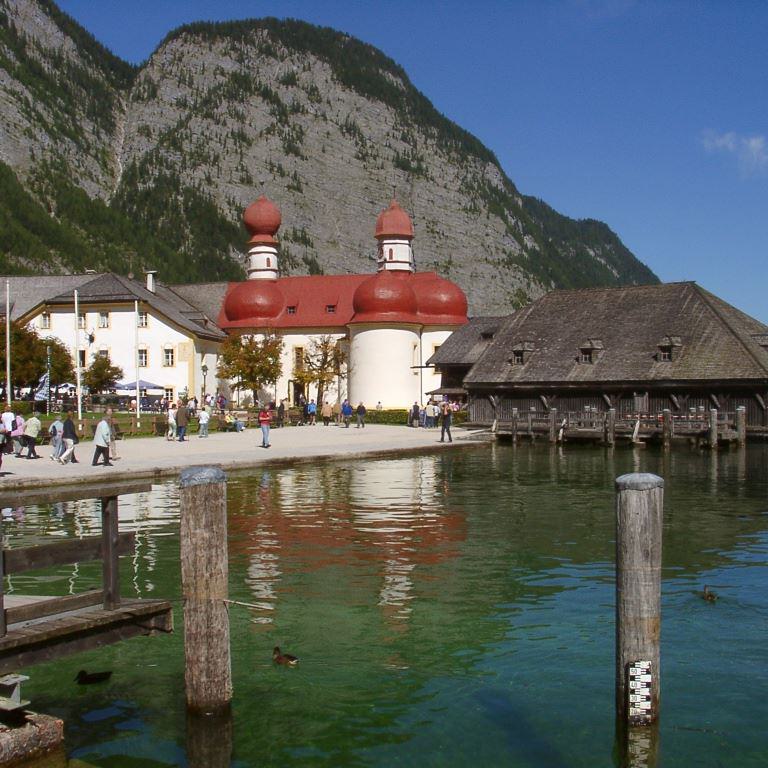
point(156, 459)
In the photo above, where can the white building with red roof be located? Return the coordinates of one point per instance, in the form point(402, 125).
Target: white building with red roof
point(390, 322)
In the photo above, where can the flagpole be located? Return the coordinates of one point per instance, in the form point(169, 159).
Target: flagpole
point(136, 361)
point(8, 388)
point(48, 370)
point(79, 388)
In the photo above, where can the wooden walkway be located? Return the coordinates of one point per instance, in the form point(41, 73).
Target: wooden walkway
point(708, 429)
point(34, 628)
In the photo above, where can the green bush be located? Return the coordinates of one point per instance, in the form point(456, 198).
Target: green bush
point(397, 416)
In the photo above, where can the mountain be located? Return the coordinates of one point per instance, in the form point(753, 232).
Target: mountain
point(110, 166)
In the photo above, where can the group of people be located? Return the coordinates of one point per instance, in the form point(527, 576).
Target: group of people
point(433, 412)
point(18, 434)
point(338, 413)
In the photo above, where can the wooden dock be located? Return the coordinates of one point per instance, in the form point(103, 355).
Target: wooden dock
point(34, 628)
point(607, 427)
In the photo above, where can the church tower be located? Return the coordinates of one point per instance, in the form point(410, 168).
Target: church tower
point(262, 220)
point(394, 231)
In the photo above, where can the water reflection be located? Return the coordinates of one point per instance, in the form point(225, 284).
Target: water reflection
point(449, 610)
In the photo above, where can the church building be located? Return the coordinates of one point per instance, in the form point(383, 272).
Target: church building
point(388, 323)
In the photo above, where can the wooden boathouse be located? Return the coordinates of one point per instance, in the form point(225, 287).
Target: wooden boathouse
point(629, 354)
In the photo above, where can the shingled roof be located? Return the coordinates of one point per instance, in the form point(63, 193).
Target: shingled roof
point(29, 293)
point(628, 332)
point(466, 344)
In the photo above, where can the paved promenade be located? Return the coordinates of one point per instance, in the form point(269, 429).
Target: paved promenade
point(156, 457)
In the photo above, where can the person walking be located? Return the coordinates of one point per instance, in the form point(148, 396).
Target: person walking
point(346, 412)
point(447, 414)
point(29, 438)
point(17, 434)
point(415, 415)
point(264, 419)
point(171, 434)
point(326, 412)
point(182, 420)
point(112, 436)
point(202, 420)
point(361, 415)
point(56, 431)
point(281, 413)
point(101, 441)
point(70, 438)
point(312, 412)
point(8, 419)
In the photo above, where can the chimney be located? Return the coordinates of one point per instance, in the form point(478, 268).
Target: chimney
point(150, 273)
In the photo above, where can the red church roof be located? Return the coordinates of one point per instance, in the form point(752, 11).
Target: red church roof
point(334, 301)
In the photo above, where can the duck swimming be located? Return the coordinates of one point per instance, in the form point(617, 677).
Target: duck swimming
point(708, 595)
point(284, 658)
point(88, 678)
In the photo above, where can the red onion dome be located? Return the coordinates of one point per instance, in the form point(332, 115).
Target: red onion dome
point(253, 299)
point(441, 297)
point(262, 220)
point(394, 222)
point(385, 295)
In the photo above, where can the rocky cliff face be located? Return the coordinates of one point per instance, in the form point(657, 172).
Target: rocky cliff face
point(325, 125)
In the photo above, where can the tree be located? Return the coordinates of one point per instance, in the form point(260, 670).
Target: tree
point(101, 374)
point(62, 369)
point(29, 357)
point(323, 361)
point(251, 361)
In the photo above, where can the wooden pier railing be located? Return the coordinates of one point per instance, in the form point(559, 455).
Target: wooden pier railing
point(36, 628)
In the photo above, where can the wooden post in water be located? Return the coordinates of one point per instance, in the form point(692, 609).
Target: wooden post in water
point(110, 563)
point(514, 425)
point(639, 504)
point(741, 425)
point(553, 425)
point(204, 575)
point(713, 428)
point(610, 431)
point(666, 427)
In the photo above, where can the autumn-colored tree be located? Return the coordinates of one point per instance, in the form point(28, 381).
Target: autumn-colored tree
point(324, 360)
point(101, 374)
point(251, 361)
point(29, 357)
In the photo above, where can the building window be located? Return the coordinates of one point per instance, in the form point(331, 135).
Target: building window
point(330, 308)
point(103, 319)
point(518, 357)
point(143, 319)
point(45, 321)
point(81, 321)
point(169, 359)
point(81, 358)
point(390, 254)
point(143, 358)
point(103, 353)
point(269, 262)
point(291, 310)
point(298, 358)
point(169, 393)
point(665, 354)
point(585, 355)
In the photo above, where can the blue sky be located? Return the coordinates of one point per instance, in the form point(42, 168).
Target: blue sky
point(651, 116)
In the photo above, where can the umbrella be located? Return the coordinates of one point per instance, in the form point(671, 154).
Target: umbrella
point(131, 385)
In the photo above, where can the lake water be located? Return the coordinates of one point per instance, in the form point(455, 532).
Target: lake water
point(449, 609)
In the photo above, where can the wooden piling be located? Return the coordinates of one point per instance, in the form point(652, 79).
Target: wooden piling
point(110, 564)
point(666, 427)
point(741, 425)
point(639, 504)
point(713, 428)
point(553, 425)
point(610, 437)
point(514, 425)
point(204, 576)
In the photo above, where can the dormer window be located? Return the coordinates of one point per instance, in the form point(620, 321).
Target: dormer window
point(590, 351)
point(668, 349)
point(521, 352)
point(330, 309)
point(291, 310)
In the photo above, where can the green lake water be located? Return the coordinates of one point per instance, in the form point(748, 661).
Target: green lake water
point(449, 609)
